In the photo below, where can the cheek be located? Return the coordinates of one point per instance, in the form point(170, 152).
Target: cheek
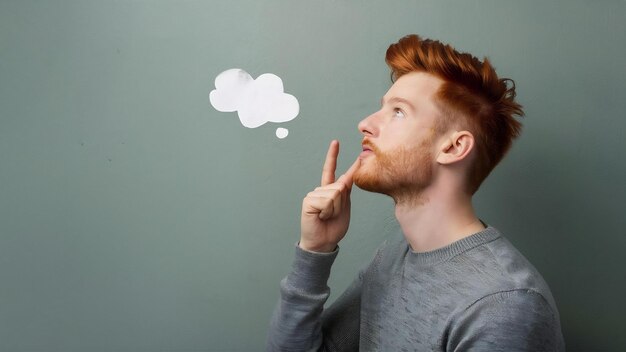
point(408, 128)
point(399, 141)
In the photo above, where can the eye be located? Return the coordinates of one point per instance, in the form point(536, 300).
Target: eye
point(398, 113)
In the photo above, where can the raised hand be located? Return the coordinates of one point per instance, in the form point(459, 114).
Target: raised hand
point(326, 210)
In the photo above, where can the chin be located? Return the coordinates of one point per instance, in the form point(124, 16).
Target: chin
point(372, 181)
point(398, 181)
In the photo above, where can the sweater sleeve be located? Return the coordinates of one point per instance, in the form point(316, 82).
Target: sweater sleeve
point(296, 323)
point(517, 320)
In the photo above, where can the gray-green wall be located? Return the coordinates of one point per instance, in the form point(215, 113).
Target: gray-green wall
point(135, 217)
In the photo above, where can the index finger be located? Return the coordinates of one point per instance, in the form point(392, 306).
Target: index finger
point(347, 176)
point(328, 171)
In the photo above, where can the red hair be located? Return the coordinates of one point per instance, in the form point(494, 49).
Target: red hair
point(472, 97)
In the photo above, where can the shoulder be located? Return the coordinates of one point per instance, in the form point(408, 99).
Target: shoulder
point(516, 302)
point(513, 320)
point(503, 268)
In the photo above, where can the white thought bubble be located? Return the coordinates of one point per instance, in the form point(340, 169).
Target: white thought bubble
point(282, 132)
point(257, 101)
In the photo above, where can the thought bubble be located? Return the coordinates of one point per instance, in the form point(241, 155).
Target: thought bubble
point(282, 132)
point(257, 101)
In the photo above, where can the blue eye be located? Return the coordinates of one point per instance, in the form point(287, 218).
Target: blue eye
point(398, 113)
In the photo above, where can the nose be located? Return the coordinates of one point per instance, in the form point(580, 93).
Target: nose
point(367, 126)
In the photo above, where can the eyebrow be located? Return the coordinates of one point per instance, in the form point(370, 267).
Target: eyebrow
point(398, 100)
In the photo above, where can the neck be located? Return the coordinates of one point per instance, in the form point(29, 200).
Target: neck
point(437, 220)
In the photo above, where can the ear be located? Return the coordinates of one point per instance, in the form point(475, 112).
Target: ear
point(455, 147)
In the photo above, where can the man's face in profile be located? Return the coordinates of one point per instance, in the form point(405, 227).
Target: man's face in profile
point(398, 144)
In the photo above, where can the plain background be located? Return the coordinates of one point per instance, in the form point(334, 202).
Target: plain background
point(135, 217)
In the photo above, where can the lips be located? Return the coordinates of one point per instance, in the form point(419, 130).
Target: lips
point(368, 148)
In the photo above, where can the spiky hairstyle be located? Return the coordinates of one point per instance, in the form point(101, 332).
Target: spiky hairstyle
point(472, 97)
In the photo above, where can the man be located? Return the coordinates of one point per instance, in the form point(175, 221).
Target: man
point(449, 282)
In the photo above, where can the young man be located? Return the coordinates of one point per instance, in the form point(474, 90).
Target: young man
point(449, 282)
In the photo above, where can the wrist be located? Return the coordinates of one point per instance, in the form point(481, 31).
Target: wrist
point(319, 248)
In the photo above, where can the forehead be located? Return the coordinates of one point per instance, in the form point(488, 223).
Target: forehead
point(419, 87)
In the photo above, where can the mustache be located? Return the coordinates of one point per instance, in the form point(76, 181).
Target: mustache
point(367, 143)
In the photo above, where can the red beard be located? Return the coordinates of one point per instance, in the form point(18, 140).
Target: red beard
point(402, 173)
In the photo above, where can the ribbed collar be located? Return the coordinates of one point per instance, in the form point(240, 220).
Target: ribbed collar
point(445, 253)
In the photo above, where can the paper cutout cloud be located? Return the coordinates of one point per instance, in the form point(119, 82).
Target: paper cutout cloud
point(256, 101)
point(282, 132)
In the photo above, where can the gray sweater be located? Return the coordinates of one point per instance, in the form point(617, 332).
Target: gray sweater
point(477, 294)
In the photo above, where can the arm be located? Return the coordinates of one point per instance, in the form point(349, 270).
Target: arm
point(518, 320)
point(296, 323)
point(299, 322)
